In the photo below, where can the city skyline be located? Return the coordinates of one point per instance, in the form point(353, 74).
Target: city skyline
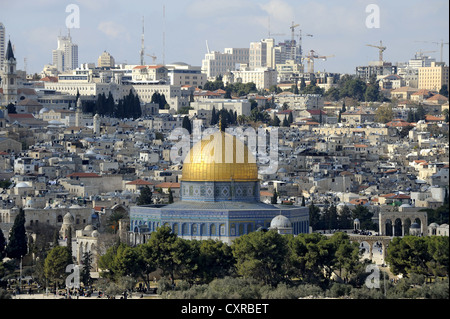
point(338, 29)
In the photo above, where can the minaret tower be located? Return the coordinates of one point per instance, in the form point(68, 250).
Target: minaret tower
point(78, 114)
point(96, 124)
point(9, 81)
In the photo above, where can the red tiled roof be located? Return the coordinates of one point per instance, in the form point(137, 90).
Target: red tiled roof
point(433, 118)
point(50, 79)
point(265, 193)
point(359, 201)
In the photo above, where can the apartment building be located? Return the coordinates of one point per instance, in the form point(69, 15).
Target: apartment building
point(433, 77)
point(217, 63)
point(263, 77)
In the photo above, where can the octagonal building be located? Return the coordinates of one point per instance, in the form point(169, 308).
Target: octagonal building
point(219, 197)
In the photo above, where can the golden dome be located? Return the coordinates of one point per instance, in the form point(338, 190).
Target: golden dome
point(220, 157)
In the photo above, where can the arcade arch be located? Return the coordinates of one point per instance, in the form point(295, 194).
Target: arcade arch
point(397, 224)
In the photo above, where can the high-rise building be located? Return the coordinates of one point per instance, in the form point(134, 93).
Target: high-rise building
point(2, 44)
point(106, 60)
point(433, 77)
point(262, 54)
point(217, 63)
point(287, 50)
point(65, 57)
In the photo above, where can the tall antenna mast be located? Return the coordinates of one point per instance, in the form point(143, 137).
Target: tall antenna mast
point(142, 43)
point(164, 35)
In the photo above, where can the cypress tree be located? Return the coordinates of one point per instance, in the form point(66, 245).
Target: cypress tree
point(213, 117)
point(170, 196)
point(186, 124)
point(290, 118)
point(2, 245)
point(274, 199)
point(17, 243)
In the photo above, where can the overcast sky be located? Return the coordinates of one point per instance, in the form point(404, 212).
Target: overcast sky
point(338, 28)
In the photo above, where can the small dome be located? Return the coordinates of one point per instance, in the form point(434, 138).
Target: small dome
point(43, 110)
point(68, 218)
point(89, 228)
point(433, 225)
point(22, 185)
point(280, 221)
point(415, 226)
point(95, 233)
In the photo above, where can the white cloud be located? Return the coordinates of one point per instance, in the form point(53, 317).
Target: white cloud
point(113, 30)
point(213, 8)
point(279, 10)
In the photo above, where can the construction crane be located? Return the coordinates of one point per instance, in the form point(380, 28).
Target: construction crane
point(311, 57)
point(300, 44)
point(438, 43)
point(153, 57)
point(380, 48)
point(420, 53)
point(292, 27)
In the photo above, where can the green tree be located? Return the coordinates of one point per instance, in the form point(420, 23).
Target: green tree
point(186, 124)
point(164, 243)
point(170, 196)
point(274, 199)
point(345, 220)
point(114, 218)
point(106, 262)
point(147, 262)
point(17, 243)
point(2, 245)
point(438, 250)
point(145, 196)
point(408, 254)
point(352, 87)
point(384, 113)
point(420, 113)
point(276, 121)
point(85, 273)
point(444, 90)
point(309, 254)
point(372, 93)
point(261, 255)
point(332, 94)
point(346, 255)
point(215, 261)
point(314, 216)
point(11, 108)
point(55, 264)
point(365, 217)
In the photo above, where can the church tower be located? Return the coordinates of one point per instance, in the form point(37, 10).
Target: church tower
point(9, 77)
